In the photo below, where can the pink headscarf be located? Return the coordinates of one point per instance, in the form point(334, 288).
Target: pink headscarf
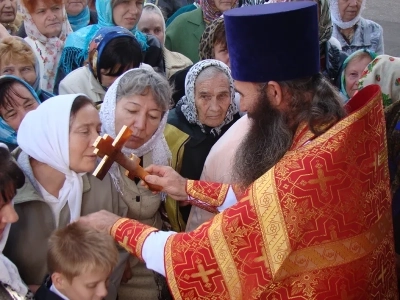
point(210, 11)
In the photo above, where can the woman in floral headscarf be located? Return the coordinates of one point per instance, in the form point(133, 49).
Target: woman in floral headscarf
point(197, 122)
point(385, 71)
point(184, 33)
point(47, 27)
point(353, 31)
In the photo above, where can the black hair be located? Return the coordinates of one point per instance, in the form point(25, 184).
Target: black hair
point(325, 108)
point(78, 103)
point(119, 55)
point(10, 173)
point(7, 91)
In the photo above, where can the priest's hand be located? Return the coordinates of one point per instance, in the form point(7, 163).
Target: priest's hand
point(172, 183)
point(102, 221)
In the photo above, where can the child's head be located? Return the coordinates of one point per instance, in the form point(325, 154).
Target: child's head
point(80, 260)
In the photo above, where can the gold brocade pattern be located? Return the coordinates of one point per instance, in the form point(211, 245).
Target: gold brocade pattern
point(131, 235)
point(210, 194)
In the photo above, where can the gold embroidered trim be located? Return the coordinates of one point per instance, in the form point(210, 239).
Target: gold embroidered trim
point(336, 253)
point(169, 270)
point(224, 258)
point(276, 243)
point(114, 228)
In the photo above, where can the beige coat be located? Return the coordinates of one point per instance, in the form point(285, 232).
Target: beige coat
point(27, 243)
point(82, 81)
point(144, 207)
point(175, 62)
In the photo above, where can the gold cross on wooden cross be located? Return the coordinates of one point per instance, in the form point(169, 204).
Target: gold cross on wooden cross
point(203, 273)
point(110, 151)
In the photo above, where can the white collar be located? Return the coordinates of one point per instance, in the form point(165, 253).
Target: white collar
point(57, 292)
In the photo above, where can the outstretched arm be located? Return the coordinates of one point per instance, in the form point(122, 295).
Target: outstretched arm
point(200, 263)
point(210, 196)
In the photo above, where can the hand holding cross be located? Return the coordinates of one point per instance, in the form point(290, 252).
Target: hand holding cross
point(110, 151)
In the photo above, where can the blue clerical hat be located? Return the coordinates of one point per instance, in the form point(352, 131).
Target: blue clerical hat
point(273, 41)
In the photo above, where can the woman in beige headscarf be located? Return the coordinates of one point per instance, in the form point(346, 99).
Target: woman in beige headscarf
point(152, 22)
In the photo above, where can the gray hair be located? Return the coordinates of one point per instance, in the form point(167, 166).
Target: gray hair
point(209, 73)
point(141, 81)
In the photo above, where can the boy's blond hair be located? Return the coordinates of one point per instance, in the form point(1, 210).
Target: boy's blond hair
point(76, 249)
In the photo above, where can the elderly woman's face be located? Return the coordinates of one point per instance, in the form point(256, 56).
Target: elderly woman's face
point(8, 11)
point(212, 99)
point(127, 13)
point(152, 23)
point(349, 9)
point(353, 73)
point(48, 19)
point(22, 103)
point(224, 5)
point(8, 214)
point(84, 130)
point(141, 114)
point(74, 7)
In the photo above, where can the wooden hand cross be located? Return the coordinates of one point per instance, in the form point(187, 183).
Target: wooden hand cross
point(110, 151)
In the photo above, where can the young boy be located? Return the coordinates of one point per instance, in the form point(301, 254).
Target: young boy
point(79, 260)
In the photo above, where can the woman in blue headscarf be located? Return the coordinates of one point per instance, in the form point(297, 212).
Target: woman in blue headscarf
point(17, 98)
point(110, 13)
point(79, 14)
point(353, 68)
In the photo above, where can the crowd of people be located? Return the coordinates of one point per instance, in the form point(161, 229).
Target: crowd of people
point(272, 129)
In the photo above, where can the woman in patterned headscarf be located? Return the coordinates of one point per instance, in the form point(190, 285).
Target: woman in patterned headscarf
point(197, 122)
point(384, 70)
point(184, 33)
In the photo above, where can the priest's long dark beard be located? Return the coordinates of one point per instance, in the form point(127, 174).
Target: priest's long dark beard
point(268, 139)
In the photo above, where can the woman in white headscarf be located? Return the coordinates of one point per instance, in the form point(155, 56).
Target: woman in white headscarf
point(353, 31)
point(11, 178)
point(57, 153)
point(139, 99)
point(152, 22)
